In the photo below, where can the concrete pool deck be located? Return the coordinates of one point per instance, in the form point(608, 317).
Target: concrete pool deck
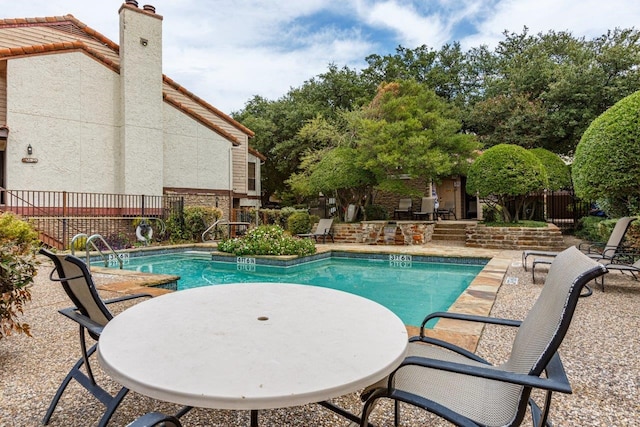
point(477, 299)
point(601, 353)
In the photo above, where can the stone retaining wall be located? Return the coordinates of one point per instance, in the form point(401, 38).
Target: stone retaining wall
point(384, 232)
point(519, 238)
point(477, 236)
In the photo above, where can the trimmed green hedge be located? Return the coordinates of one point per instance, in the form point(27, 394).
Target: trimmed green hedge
point(606, 162)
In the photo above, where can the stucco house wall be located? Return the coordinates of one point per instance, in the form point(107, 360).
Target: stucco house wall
point(194, 156)
point(102, 118)
point(66, 107)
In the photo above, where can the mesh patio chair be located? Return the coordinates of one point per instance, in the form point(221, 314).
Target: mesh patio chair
point(404, 209)
point(593, 250)
point(465, 389)
point(427, 208)
point(156, 419)
point(91, 314)
point(322, 230)
point(447, 210)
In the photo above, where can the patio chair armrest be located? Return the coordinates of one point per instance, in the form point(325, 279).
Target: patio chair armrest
point(627, 256)
point(469, 318)
point(590, 247)
point(449, 346)
point(127, 298)
point(82, 320)
point(556, 379)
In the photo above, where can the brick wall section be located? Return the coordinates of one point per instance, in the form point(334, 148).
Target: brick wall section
point(519, 238)
point(383, 233)
point(390, 200)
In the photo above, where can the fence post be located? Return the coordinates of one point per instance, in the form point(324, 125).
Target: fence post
point(65, 238)
point(142, 207)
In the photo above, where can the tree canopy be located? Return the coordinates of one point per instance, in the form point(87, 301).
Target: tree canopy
point(606, 166)
point(535, 91)
point(406, 130)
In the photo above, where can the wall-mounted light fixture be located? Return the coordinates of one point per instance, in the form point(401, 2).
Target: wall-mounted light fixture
point(144, 42)
point(29, 149)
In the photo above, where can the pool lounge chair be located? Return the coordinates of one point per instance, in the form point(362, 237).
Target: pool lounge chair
point(322, 230)
point(593, 250)
point(91, 314)
point(624, 263)
point(404, 209)
point(465, 389)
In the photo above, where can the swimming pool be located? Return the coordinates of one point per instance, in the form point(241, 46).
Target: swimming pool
point(408, 288)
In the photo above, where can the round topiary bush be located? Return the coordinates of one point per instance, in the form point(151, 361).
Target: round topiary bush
point(299, 222)
point(558, 172)
point(606, 162)
point(504, 175)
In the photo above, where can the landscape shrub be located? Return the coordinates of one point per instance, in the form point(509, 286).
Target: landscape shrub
point(190, 225)
point(299, 223)
point(267, 240)
point(504, 176)
point(18, 245)
point(605, 166)
point(197, 219)
point(375, 212)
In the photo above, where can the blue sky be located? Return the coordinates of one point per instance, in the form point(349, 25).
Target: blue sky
point(226, 51)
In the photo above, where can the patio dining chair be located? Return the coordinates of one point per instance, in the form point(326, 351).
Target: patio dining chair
point(404, 209)
point(427, 209)
point(91, 314)
point(463, 388)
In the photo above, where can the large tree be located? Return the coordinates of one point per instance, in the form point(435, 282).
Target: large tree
point(543, 90)
point(277, 123)
point(406, 130)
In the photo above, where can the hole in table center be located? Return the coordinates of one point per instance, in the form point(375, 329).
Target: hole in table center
point(263, 318)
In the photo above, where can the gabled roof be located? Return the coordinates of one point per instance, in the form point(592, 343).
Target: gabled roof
point(36, 36)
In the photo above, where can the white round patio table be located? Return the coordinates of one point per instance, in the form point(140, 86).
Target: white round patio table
point(252, 345)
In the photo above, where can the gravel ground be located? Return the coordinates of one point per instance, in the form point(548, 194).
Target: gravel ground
point(601, 353)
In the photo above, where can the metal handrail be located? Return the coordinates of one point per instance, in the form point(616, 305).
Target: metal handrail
point(214, 225)
point(89, 241)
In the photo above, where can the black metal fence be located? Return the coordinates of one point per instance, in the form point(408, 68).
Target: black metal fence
point(561, 208)
point(60, 215)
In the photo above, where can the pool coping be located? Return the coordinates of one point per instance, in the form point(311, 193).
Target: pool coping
point(477, 299)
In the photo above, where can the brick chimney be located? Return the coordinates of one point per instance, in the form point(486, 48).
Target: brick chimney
point(141, 155)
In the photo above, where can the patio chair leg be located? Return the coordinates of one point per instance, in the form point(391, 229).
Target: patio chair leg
point(61, 389)
point(112, 406)
point(110, 401)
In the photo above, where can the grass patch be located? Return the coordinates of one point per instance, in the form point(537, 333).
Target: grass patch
point(525, 223)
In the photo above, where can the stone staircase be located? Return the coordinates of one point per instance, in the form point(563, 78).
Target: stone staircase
point(452, 231)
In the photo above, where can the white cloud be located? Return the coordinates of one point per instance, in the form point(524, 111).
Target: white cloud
point(588, 18)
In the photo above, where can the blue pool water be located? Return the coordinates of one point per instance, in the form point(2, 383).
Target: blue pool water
point(410, 289)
